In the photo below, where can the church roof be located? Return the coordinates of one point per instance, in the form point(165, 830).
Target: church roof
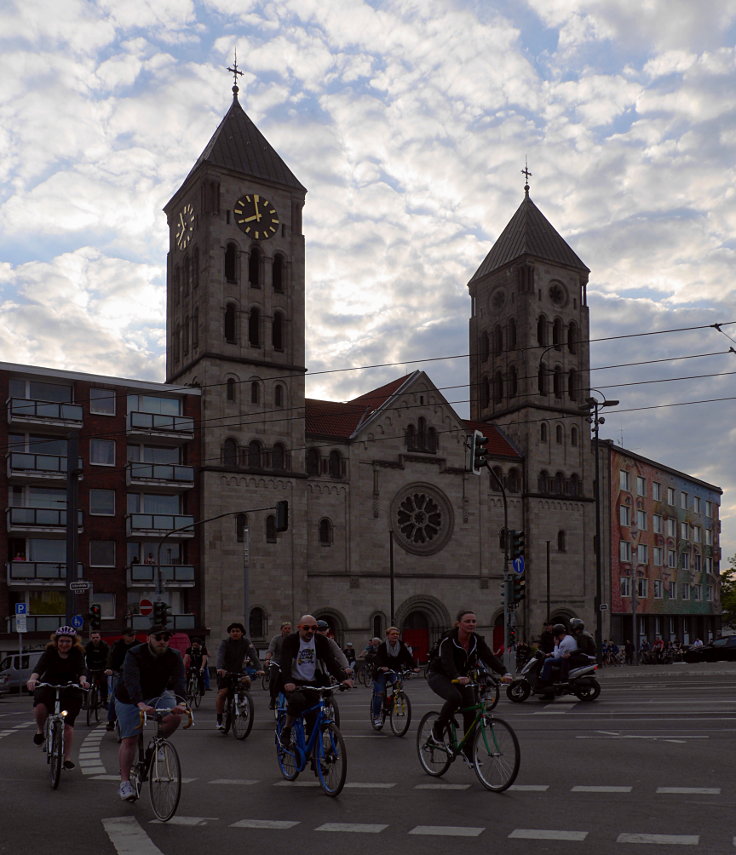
point(498, 444)
point(528, 232)
point(237, 144)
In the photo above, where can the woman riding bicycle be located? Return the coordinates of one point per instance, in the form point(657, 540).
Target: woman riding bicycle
point(61, 662)
point(460, 651)
point(392, 655)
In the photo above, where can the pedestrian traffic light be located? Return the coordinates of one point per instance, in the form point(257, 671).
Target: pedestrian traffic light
point(282, 515)
point(517, 544)
point(95, 617)
point(478, 451)
point(519, 589)
point(161, 613)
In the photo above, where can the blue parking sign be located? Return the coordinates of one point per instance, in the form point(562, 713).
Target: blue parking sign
point(21, 608)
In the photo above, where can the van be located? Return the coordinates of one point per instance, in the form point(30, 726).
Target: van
point(16, 668)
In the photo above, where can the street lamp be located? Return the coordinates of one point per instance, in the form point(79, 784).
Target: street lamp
point(593, 406)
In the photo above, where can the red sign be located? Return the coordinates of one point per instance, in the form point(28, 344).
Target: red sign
point(145, 607)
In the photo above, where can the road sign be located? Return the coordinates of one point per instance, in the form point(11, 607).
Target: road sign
point(518, 565)
point(145, 607)
point(20, 623)
point(79, 586)
point(77, 621)
point(603, 607)
point(21, 608)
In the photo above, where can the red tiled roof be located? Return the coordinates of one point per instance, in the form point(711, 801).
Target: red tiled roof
point(498, 444)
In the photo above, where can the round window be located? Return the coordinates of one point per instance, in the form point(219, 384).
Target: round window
point(422, 518)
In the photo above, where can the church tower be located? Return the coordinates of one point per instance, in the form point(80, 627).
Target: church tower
point(235, 327)
point(529, 374)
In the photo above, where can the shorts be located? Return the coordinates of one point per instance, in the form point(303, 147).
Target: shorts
point(129, 716)
point(71, 701)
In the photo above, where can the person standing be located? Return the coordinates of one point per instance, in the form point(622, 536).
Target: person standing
point(231, 656)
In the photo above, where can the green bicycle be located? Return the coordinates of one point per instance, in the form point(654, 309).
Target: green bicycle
point(494, 749)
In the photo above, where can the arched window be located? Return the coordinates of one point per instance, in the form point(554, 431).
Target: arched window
point(432, 443)
point(279, 395)
point(557, 381)
point(195, 267)
point(498, 479)
point(277, 331)
point(254, 268)
point(542, 378)
point(513, 484)
point(557, 333)
point(231, 263)
point(185, 336)
point(574, 485)
point(543, 482)
point(270, 529)
point(572, 338)
point(195, 328)
point(558, 484)
point(325, 532)
point(561, 541)
point(513, 384)
point(257, 622)
point(378, 623)
point(573, 436)
point(334, 464)
point(497, 388)
point(278, 457)
point(241, 523)
point(187, 274)
point(230, 389)
point(255, 392)
point(254, 327)
point(231, 333)
point(421, 433)
point(230, 453)
point(254, 454)
point(558, 434)
point(485, 393)
point(411, 438)
point(313, 461)
point(278, 273)
point(497, 340)
point(485, 347)
point(511, 334)
point(572, 384)
point(543, 432)
point(542, 331)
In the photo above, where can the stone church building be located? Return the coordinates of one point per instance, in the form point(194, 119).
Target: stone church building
point(385, 519)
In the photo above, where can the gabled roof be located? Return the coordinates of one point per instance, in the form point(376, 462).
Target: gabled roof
point(528, 232)
point(237, 144)
point(498, 443)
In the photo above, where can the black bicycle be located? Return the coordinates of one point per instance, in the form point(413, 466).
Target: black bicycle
point(54, 731)
point(239, 708)
point(396, 705)
point(195, 688)
point(93, 702)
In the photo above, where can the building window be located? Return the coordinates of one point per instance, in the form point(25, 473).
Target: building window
point(231, 263)
point(497, 388)
point(254, 327)
point(708, 508)
point(278, 396)
point(624, 550)
point(641, 520)
point(514, 480)
point(624, 515)
point(708, 537)
point(572, 385)
point(561, 541)
point(257, 622)
point(683, 501)
point(624, 584)
point(557, 334)
point(658, 554)
point(685, 560)
point(270, 529)
point(278, 273)
point(657, 589)
point(558, 434)
point(641, 485)
point(230, 453)
point(573, 436)
point(543, 432)
point(254, 454)
point(684, 531)
point(511, 333)
point(277, 331)
point(325, 532)
point(542, 379)
point(278, 457)
point(657, 523)
point(102, 503)
point(485, 346)
point(623, 479)
point(230, 388)
point(670, 590)
point(230, 324)
point(497, 340)
point(671, 496)
point(254, 268)
point(102, 553)
point(642, 553)
point(685, 590)
point(241, 524)
point(313, 461)
point(671, 526)
point(572, 338)
point(485, 393)
point(102, 452)
point(255, 392)
point(671, 558)
point(656, 491)
point(557, 381)
point(696, 504)
point(542, 331)
point(334, 465)
point(102, 402)
point(642, 588)
point(513, 382)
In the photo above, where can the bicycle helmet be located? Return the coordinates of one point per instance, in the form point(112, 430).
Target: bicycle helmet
point(66, 630)
point(576, 624)
point(559, 629)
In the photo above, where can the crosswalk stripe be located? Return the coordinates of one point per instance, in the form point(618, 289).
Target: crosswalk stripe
point(447, 830)
point(547, 834)
point(662, 839)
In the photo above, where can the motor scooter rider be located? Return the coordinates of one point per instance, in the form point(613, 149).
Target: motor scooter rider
point(585, 642)
point(565, 646)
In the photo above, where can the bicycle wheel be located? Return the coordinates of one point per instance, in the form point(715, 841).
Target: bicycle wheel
point(243, 715)
point(164, 780)
point(434, 758)
point(55, 752)
point(198, 691)
point(332, 711)
point(264, 680)
point(229, 714)
point(496, 754)
point(400, 714)
point(285, 755)
point(92, 704)
point(332, 759)
point(364, 677)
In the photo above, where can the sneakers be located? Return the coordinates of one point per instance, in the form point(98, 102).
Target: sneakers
point(220, 725)
point(68, 764)
point(38, 739)
point(438, 732)
point(127, 792)
point(378, 723)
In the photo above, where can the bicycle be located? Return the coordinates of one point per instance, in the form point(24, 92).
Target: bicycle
point(396, 704)
point(54, 731)
point(93, 703)
point(324, 749)
point(495, 749)
point(239, 707)
point(159, 765)
point(363, 672)
point(195, 688)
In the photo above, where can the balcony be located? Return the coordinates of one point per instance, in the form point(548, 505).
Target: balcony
point(172, 575)
point(161, 426)
point(22, 411)
point(43, 574)
point(169, 476)
point(52, 520)
point(176, 623)
point(37, 623)
point(157, 525)
point(23, 466)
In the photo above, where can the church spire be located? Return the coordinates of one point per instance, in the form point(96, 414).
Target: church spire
point(236, 72)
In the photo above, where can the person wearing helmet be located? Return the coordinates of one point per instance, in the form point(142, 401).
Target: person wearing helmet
point(585, 641)
point(565, 646)
point(61, 662)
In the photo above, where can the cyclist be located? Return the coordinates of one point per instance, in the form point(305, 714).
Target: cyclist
point(300, 654)
point(272, 654)
point(368, 655)
point(392, 655)
point(96, 652)
point(61, 662)
point(231, 657)
point(323, 628)
point(149, 669)
point(459, 651)
point(196, 657)
point(115, 666)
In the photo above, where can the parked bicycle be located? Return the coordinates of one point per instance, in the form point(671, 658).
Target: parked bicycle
point(54, 731)
point(239, 707)
point(490, 745)
point(396, 704)
point(158, 764)
point(324, 748)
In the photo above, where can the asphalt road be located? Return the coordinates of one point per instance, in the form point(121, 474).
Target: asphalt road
point(647, 765)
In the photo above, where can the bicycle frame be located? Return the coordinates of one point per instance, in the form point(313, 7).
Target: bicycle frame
point(55, 754)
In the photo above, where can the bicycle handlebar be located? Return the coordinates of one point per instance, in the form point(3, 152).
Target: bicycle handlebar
point(159, 713)
point(62, 686)
point(325, 689)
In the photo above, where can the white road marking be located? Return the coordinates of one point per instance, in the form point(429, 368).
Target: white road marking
point(595, 789)
point(691, 791)
point(367, 785)
point(447, 830)
point(530, 788)
point(278, 824)
point(128, 837)
point(296, 784)
point(360, 828)
point(442, 787)
point(661, 839)
point(547, 834)
point(187, 820)
point(241, 782)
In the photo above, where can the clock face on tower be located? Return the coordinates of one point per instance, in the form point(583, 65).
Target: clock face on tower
point(185, 226)
point(256, 216)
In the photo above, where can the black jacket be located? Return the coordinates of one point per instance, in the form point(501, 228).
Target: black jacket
point(395, 663)
point(453, 660)
point(146, 676)
point(325, 656)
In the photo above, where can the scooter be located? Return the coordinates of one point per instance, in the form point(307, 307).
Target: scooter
point(580, 682)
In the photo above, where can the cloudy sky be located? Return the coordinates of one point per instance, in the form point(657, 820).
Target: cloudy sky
point(409, 122)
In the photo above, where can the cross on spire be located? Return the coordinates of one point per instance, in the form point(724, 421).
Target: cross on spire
point(525, 172)
point(235, 71)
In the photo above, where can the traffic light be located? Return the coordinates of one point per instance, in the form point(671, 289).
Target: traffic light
point(512, 635)
point(95, 617)
point(161, 613)
point(282, 515)
point(502, 539)
point(517, 544)
point(519, 589)
point(478, 451)
point(507, 590)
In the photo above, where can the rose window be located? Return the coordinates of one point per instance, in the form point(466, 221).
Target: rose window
point(423, 519)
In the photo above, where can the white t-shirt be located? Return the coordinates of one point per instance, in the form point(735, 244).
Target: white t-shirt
point(305, 663)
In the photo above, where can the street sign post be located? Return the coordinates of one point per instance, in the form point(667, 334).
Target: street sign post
point(21, 608)
point(21, 623)
point(79, 586)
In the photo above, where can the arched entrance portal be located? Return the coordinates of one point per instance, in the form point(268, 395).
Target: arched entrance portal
point(415, 634)
point(421, 620)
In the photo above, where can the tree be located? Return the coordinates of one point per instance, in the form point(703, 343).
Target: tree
point(728, 593)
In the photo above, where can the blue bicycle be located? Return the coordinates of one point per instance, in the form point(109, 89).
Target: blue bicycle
point(324, 749)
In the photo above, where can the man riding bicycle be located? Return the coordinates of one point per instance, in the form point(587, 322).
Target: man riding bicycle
point(96, 653)
point(231, 656)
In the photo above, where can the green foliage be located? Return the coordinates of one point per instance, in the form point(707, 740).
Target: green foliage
point(728, 593)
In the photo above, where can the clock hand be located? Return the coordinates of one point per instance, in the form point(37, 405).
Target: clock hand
point(249, 219)
point(255, 202)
